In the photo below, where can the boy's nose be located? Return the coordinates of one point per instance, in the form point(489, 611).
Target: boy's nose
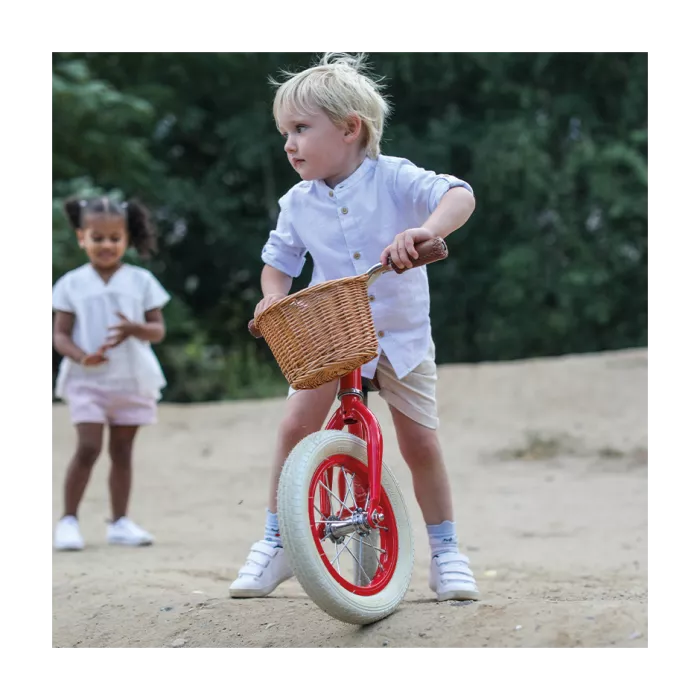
point(290, 146)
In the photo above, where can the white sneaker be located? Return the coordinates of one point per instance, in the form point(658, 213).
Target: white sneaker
point(451, 578)
point(264, 569)
point(68, 535)
point(127, 532)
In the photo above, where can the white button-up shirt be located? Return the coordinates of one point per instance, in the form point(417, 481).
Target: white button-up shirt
point(345, 230)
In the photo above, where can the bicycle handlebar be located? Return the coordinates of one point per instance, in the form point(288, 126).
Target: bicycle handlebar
point(428, 251)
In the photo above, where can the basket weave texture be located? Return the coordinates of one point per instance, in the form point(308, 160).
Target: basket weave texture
point(321, 333)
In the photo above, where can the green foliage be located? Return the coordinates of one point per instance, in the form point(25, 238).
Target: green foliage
point(554, 259)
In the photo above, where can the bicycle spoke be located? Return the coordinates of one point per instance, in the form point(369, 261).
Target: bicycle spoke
point(338, 553)
point(342, 505)
point(360, 565)
point(369, 544)
point(350, 486)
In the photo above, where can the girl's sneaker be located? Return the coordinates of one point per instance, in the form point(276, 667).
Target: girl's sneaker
point(127, 532)
point(67, 536)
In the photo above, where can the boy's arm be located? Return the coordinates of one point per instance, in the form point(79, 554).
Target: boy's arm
point(274, 282)
point(453, 211)
point(284, 255)
point(275, 285)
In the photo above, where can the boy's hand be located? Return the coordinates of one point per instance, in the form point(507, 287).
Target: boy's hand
point(119, 333)
point(403, 249)
point(266, 301)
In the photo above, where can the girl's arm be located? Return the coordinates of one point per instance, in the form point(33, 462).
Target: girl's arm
point(152, 330)
point(62, 340)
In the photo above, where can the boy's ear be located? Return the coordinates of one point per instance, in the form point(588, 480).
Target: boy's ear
point(80, 234)
point(353, 128)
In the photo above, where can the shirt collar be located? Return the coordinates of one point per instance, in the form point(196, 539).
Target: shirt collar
point(367, 166)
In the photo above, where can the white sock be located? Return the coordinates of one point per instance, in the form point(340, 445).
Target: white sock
point(272, 528)
point(442, 538)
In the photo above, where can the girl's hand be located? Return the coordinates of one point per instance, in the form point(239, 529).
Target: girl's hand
point(119, 333)
point(266, 301)
point(403, 249)
point(95, 358)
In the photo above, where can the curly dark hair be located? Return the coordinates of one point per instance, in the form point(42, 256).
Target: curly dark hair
point(139, 226)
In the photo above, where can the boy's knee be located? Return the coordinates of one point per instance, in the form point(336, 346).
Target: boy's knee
point(293, 430)
point(421, 448)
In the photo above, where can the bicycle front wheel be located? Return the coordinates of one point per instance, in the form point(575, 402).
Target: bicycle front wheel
point(323, 490)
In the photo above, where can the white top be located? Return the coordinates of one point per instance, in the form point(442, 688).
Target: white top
point(346, 229)
point(132, 365)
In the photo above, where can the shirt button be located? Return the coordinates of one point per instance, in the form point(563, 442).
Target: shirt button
point(381, 334)
point(357, 256)
point(330, 194)
point(371, 297)
point(344, 210)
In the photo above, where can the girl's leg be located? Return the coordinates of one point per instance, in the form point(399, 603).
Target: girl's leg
point(80, 467)
point(121, 444)
point(122, 530)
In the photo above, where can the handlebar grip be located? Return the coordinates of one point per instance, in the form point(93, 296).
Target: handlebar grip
point(428, 251)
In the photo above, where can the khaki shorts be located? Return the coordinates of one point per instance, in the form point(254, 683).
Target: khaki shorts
point(415, 394)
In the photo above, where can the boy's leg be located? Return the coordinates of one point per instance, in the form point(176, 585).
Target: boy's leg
point(413, 405)
point(266, 566)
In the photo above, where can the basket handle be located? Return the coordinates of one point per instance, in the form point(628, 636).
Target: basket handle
point(428, 251)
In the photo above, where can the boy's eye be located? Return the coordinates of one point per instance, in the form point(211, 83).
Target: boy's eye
point(299, 128)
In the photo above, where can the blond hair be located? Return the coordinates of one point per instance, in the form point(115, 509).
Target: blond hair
point(339, 86)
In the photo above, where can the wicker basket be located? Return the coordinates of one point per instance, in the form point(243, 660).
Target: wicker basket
point(322, 332)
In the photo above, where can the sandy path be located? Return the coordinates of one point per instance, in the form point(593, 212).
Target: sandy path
point(549, 469)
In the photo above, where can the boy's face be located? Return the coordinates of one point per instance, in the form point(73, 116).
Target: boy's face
point(316, 148)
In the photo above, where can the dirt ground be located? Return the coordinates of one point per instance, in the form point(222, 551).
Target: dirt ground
point(548, 460)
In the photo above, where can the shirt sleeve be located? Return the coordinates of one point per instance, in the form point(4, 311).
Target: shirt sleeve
point(155, 296)
point(61, 297)
point(422, 189)
point(284, 250)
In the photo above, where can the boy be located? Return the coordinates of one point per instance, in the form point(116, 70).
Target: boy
point(352, 208)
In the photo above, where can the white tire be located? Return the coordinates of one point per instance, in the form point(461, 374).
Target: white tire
point(298, 537)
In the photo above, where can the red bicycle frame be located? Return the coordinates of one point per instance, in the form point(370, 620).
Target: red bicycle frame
point(362, 423)
point(353, 412)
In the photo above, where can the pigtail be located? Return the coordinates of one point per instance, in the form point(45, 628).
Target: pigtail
point(142, 232)
point(73, 208)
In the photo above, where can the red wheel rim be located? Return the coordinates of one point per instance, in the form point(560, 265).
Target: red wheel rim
point(346, 470)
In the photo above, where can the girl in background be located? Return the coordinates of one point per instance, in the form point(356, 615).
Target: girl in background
point(107, 315)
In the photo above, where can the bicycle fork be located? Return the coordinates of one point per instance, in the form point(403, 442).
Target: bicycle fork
point(361, 422)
